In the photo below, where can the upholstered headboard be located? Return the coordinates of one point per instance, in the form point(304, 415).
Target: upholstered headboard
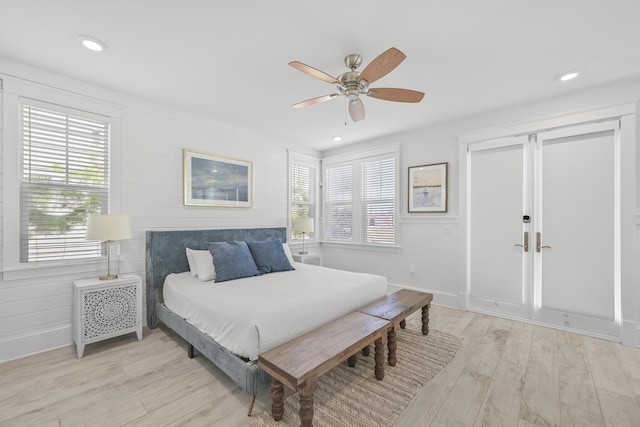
point(165, 254)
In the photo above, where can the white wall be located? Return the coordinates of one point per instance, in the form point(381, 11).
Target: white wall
point(35, 312)
point(430, 242)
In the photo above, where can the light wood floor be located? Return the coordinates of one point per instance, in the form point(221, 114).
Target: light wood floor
point(505, 373)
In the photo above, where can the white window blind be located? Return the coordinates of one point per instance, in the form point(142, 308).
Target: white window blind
point(338, 203)
point(65, 176)
point(361, 197)
point(378, 201)
point(303, 190)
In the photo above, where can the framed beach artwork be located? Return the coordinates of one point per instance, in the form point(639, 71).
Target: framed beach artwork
point(428, 188)
point(211, 180)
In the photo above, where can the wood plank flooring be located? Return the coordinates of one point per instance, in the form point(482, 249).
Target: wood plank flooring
point(505, 373)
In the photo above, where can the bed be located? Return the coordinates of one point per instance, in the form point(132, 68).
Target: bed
point(274, 308)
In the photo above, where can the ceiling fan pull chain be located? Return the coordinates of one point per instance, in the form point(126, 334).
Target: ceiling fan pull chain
point(345, 111)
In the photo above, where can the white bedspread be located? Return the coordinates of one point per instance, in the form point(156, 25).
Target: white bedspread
point(251, 315)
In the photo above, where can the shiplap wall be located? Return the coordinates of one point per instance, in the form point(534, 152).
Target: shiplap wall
point(36, 306)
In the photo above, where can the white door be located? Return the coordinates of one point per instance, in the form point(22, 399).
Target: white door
point(565, 182)
point(499, 266)
point(575, 281)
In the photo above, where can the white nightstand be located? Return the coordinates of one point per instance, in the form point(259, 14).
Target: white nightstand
point(106, 308)
point(313, 259)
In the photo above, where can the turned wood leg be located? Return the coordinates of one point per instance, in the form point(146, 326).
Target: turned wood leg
point(366, 351)
point(379, 358)
point(425, 319)
point(352, 360)
point(403, 324)
point(277, 401)
point(306, 391)
point(191, 352)
point(392, 346)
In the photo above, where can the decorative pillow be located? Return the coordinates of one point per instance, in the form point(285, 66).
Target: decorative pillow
point(201, 264)
point(269, 256)
point(233, 260)
point(287, 252)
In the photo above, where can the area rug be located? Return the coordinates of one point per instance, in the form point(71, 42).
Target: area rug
point(353, 397)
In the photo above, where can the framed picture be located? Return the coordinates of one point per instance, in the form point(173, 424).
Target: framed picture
point(428, 188)
point(211, 180)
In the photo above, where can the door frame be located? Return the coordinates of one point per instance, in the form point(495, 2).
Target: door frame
point(629, 334)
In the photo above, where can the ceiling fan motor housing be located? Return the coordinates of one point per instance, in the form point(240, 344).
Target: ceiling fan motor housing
point(350, 86)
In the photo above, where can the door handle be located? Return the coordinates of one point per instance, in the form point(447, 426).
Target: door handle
point(538, 246)
point(526, 242)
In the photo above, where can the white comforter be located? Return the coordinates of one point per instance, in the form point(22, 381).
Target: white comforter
point(251, 315)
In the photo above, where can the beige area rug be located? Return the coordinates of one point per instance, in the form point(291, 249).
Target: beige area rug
point(353, 397)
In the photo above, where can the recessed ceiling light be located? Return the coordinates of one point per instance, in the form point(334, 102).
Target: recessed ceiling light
point(337, 138)
point(568, 76)
point(92, 43)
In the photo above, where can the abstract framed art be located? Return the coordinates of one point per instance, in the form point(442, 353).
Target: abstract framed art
point(428, 188)
point(211, 180)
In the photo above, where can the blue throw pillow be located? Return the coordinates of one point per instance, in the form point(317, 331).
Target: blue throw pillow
point(269, 256)
point(232, 260)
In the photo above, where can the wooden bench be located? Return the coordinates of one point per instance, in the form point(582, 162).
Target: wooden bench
point(300, 362)
point(395, 308)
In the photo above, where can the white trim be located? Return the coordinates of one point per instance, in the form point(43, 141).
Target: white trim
point(13, 90)
point(39, 342)
point(428, 219)
point(541, 125)
point(361, 154)
point(578, 130)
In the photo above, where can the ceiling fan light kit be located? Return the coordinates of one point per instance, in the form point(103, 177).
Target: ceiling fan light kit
point(352, 84)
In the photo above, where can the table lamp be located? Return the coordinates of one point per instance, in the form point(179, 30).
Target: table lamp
point(108, 228)
point(304, 226)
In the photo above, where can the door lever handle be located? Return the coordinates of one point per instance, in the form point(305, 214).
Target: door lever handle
point(538, 245)
point(526, 242)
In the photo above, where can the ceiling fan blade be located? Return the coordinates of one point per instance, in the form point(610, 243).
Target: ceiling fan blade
point(356, 110)
point(313, 72)
point(313, 101)
point(382, 65)
point(397, 95)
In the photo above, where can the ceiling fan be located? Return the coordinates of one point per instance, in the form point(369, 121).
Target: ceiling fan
point(352, 84)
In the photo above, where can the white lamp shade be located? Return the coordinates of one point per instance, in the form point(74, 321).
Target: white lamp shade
point(303, 225)
point(108, 227)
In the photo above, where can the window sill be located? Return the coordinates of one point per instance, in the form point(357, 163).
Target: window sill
point(363, 247)
point(52, 268)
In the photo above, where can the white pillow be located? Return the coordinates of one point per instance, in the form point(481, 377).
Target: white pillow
point(287, 252)
point(192, 263)
point(203, 263)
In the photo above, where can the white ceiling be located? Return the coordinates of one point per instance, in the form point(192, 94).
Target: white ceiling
point(228, 60)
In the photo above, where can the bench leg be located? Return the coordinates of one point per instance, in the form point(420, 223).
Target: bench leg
point(403, 324)
point(379, 358)
point(277, 401)
point(425, 319)
point(392, 346)
point(366, 351)
point(352, 360)
point(306, 391)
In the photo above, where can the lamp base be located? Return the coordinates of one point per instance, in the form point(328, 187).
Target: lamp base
point(109, 277)
point(303, 252)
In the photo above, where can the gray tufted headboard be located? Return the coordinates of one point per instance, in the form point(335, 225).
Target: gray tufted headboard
point(165, 254)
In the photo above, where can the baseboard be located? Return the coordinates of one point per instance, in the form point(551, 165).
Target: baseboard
point(630, 333)
point(444, 299)
point(26, 345)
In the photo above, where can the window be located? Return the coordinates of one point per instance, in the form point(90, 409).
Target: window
point(303, 180)
point(360, 198)
point(64, 177)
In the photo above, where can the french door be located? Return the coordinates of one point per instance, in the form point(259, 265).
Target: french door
point(543, 232)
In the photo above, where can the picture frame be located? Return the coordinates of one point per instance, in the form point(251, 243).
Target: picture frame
point(212, 180)
point(427, 188)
